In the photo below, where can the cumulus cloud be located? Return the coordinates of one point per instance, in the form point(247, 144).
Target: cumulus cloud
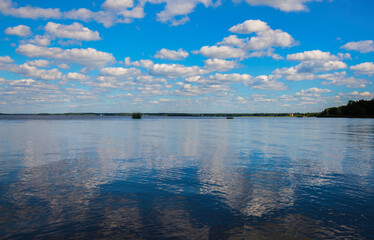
point(41, 40)
point(312, 92)
point(221, 52)
point(20, 30)
point(144, 63)
point(42, 63)
point(171, 54)
point(265, 36)
point(72, 31)
point(341, 79)
point(262, 44)
point(176, 11)
point(250, 26)
point(220, 65)
point(357, 95)
point(76, 76)
point(307, 69)
point(117, 4)
point(6, 59)
point(120, 71)
point(360, 46)
point(283, 5)
point(260, 82)
point(88, 57)
point(364, 68)
point(315, 55)
point(108, 19)
point(124, 11)
point(7, 7)
point(175, 70)
point(32, 71)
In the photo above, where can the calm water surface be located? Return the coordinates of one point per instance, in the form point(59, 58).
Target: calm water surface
point(186, 178)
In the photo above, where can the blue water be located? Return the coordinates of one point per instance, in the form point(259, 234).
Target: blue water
point(186, 178)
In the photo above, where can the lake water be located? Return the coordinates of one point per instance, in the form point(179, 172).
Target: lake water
point(186, 178)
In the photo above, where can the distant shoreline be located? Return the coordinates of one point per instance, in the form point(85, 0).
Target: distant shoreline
point(160, 114)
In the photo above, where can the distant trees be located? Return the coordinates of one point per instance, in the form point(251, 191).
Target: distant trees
point(360, 108)
point(137, 115)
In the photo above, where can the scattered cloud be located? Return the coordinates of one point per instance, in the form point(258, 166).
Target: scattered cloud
point(8, 8)
point(175, 70)
point(42, 63)
point(32, 71)
point(6, 59)
point(72, 31)
point(341, 79)
point(366, 68)
point(171, 54)
point(283, 5)
point(315, 55)
point(120, 71)
point(250, 26)
point(221, 52)
point(116, 5)
point(20, 30)
point(360, 46)
point(41, 40)
point(76, 76)
point(220, 65)
point(88, 57)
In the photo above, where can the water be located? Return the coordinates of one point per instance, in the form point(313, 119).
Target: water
point(186, 178)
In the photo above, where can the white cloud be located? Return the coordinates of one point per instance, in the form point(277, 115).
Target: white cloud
point(312, 92)
point(72, 31)
point(307, 69)
point(144, 63)
point(315, 55)
point(265, 36)
point(270, 38)
point(39, 63)
point(108, 19)
point(20, 30)
point(357, 95)
point(8, 8)
point(233, 40)
point(63, 66)
point(6, 59)
point(41, 40)
point(267, 83)
point(171, 54)
point(250, 26)
point(221, 52)
point(341, 79)
point(116, 5)
point(360, 46)
point(220, 65)
point(76, 76)
point(262, 44)
point(31, 71)
point(85, 57)
point(260, 82)
point(366, 68)
point(120, 71)
point(179, 9)
point(283, 5)
point(175, 70)
point(320, 66)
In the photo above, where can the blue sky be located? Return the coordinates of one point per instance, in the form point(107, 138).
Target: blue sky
point(184, 56)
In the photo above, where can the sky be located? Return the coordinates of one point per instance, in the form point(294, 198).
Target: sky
point(196, 56)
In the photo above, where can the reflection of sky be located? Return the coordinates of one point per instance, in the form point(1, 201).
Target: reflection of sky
point(135, 175)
